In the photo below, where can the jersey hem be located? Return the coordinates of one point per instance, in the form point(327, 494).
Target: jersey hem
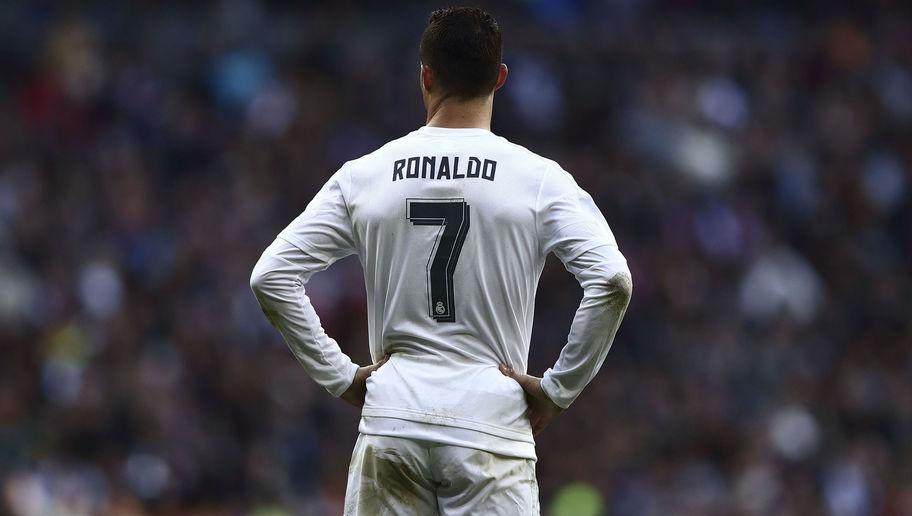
point(446, 435)
point(451, 421)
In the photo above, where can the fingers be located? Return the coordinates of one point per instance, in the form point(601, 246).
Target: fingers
point(508, 371)
point(373, 367)
point(527, 382)
point(357, 391)
point(539, 415)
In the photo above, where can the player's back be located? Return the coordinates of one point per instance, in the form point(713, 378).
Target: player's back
point(445, 224)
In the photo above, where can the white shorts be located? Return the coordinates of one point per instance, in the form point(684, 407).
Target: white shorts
point(398, 476)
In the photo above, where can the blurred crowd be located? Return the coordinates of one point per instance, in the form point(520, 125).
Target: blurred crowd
point(753, 161)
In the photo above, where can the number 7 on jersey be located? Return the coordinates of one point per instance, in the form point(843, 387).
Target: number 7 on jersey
point(452, 215)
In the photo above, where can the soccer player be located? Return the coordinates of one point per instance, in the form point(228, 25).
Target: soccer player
point(452, 225)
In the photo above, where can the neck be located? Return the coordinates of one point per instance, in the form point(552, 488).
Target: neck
point(453, 113)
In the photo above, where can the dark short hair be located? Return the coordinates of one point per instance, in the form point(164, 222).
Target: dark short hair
point(462, 46)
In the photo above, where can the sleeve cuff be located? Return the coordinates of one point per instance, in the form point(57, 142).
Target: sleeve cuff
point(553, 391)
point(337, 388)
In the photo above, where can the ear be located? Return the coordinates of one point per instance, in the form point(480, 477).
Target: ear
point(501, 76)
point(426, 78)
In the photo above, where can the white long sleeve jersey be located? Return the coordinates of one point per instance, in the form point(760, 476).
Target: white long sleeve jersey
point(452, 227)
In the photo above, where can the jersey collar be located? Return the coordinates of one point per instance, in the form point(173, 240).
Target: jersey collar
point(453, 131)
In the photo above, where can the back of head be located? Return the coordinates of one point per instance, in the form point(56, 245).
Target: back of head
point(462, 47)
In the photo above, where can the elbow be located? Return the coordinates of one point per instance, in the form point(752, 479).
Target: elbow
point(260, 279)
point(620, 284)
point(257, 281)
point(612, 285)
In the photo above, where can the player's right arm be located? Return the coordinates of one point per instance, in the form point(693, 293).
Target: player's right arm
point(318, 237)
point(572, 227)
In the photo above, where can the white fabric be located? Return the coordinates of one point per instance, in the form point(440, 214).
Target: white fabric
point(278, 282)
point(394, 476)
point(442, 383)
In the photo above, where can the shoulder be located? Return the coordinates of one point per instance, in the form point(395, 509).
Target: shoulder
point(357, 170)
point(552, 173)
point(533, 157)
point(548, 169)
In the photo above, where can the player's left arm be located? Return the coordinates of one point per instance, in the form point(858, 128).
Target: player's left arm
point(321, 235)
point(573, 228)
point(603, 274)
